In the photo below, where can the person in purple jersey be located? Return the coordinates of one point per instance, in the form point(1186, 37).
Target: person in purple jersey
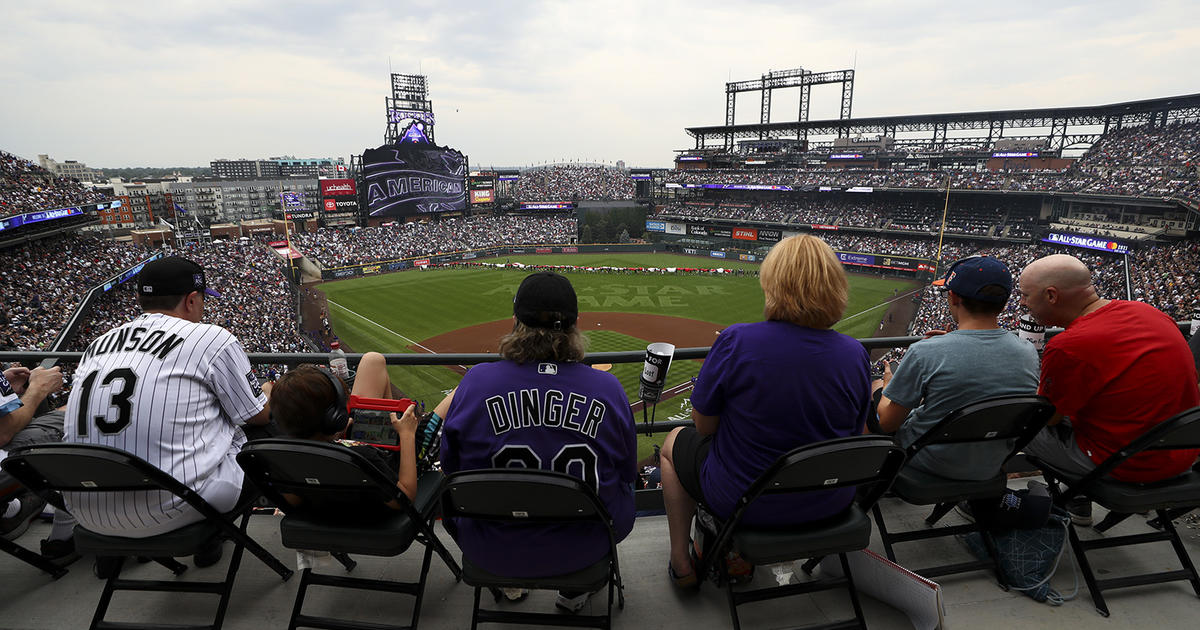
point(541, 408)
point(765, 389)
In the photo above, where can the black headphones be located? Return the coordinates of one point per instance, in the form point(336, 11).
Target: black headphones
point(335, 417)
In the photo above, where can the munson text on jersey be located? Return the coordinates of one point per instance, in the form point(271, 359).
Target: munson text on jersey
point(126, 339)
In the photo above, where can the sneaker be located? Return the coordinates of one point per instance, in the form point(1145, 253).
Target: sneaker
point(571, 602)
point(59, 552)
point(31, 506)
point(515, 594)
point(1080, 509)
point(209, 554)
point(107, 566)
point(964, 510)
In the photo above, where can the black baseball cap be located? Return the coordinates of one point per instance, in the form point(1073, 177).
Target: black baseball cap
point(172, 276)
point(546, 300)
point(968, 276)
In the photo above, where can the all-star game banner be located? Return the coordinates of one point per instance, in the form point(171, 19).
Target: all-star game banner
point(413, 176)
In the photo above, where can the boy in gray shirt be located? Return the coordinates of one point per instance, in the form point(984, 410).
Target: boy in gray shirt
point(950, 370)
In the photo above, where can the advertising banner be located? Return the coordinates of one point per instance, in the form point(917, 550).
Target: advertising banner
point(721, 232)
point(570, 250)
point(818, 226)
point(423, 262)
point(548, 205)
point(770, 236)
point(698, 230)
point(484, 195)
point(338, 188)
point(676, 228)
point(692, 251)
point(1087, 242)
point(543, 250)
point(343, 204)
point(746, 187)
point(655, 226)
point(856, 259)
point(345, 272)
point(745, 234)
point(330, 205)
point(716, 254)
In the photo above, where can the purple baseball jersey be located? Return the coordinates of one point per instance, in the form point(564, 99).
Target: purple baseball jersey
point(565, 417)
point(777, 386)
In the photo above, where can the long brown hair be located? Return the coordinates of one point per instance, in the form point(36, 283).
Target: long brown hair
point(525, 344)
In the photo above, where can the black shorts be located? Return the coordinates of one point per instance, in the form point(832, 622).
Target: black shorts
point(688, 455)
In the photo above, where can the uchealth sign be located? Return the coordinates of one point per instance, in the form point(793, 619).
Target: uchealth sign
point(745, 234)
point(337, 187)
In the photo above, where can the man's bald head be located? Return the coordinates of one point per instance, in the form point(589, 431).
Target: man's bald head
point(1057, 289)
point(1062, 271)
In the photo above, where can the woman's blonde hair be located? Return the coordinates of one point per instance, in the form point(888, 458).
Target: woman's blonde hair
point(804, 283)
point(526, 343)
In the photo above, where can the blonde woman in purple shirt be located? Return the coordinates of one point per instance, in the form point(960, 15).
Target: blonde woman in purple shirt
point(765, 389)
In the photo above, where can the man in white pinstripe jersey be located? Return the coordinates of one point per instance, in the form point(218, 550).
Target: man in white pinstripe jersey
point(172, 391)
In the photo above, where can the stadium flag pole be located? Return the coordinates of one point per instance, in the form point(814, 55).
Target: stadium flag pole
point(937, 263)
point(287, 233)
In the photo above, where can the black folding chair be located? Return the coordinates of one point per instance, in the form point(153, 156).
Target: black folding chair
point(309, 481)
point(9, 489)
point(868, 462)
point(1168, 498)
point(50, 469)
point(1015, 418)
point(528, 497)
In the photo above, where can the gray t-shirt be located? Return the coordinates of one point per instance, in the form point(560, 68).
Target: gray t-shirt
point(943, 373)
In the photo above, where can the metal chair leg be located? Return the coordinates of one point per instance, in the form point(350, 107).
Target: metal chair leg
point(1180, 550)
point(883, 532)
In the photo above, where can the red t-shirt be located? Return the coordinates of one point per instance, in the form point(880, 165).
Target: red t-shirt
point(1117, 372)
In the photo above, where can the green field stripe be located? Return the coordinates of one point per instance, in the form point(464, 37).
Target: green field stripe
point(371, 321)
point(369, 312)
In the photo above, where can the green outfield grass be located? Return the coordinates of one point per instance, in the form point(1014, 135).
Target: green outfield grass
point(387, 313)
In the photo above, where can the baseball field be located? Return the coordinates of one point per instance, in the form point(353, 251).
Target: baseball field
point(469, 309)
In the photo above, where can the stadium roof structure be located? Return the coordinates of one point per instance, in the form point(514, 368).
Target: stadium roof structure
point(1067, 126)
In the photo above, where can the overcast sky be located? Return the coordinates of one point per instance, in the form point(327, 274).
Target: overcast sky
point(179, 83)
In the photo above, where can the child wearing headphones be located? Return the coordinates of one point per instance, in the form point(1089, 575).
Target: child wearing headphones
point(309, 402)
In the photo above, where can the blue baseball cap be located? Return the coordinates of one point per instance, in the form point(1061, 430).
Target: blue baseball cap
point(968, 276)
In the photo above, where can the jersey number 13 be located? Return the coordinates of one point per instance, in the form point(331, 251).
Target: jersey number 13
point(119, 398)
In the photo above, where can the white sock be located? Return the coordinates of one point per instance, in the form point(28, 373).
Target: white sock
point(14, 507)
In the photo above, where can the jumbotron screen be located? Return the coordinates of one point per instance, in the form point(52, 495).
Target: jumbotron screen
point(414, 176)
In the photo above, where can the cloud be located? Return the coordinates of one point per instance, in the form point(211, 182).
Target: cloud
point(183, 83)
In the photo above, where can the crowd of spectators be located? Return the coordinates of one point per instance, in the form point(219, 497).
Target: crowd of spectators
point(27, 187)
point(338, 247)
point(980, 218)
point(42, 283)
point(257, 304)
point(1139, 161)
point(562, 182)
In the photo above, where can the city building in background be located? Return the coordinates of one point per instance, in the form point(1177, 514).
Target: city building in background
point(235, 200)
point(285, 166)
point(70, 168)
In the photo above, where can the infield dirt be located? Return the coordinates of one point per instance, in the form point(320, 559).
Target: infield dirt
point(681, 331)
